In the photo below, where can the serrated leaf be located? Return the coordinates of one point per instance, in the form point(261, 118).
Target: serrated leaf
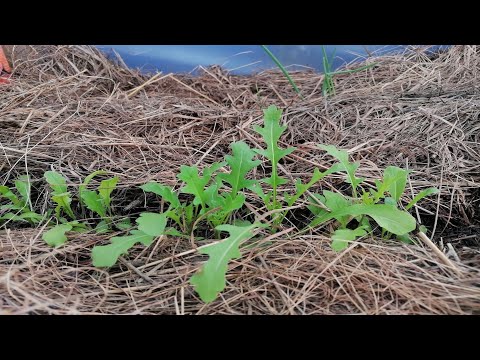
point(388, 217)
point(56, 235)
point(105, 190)
point(210, 280)
point(396, 180)
point(350, 168)
point(93, 202)
point(57, 182)
point(421, 195)
point(240, 163)
point(165, 192)
point(107, 255)
point(63, 200)
point(194, 184)
point(342, 237)
point(271, 133)
point(152, 224)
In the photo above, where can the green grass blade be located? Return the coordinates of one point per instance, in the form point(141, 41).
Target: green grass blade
point(282, 68)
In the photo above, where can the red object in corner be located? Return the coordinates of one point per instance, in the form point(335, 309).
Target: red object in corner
point(4, 67)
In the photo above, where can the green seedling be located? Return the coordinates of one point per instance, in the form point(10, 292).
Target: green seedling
point(150, 226)
point(344, 209)
point(56, 235)
point(211, 280)
point(99, 201)
point(19, 208)
point(59, 194)
point(271, 132)
point(328, 86)
point(181, 214)
point(241, 163)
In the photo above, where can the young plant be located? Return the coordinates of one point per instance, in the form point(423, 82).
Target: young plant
point(150, 225)
point(99, 201)
point(19, 208)
point(241, 163)
point(328, 86)
point(271, 132)
point(344, 209)
point(60, 195)
point(210, 280)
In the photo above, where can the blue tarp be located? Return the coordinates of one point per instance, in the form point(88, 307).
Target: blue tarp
point(240, 59)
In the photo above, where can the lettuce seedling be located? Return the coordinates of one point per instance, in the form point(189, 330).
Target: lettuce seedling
point(19, 208)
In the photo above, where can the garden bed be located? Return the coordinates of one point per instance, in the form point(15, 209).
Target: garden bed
point(71, 110)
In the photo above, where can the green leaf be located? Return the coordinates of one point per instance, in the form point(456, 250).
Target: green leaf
point(63, 200)
point(271, 133)
point(257, 189)
point(188, 214)
point(32, 216)
point(8, 207)
point(105, 189)
point(342, 237)
point(174, 232)
point(336, 202)
point(194, 184)
point(60, 195)
point(56, 235)
point(93, 202)
point(396, 180)
point(152, 224)
point(210, 280)
point(91, 176)
point(390, 201)
point(420, 196)
point(123, 224)
point(241, 163)
point(388, 217)
point(317, 176)
point(12, 217)
point(23, 187)
point(349, 167)
point(57, 182)
point(313, 207)
point(7, 193)
point(405, 238)
point(165, 192)
point(102, 227)
point(107, 255)
point(87, 180)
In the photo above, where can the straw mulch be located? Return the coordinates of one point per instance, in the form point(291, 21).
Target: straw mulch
point(70, 109)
